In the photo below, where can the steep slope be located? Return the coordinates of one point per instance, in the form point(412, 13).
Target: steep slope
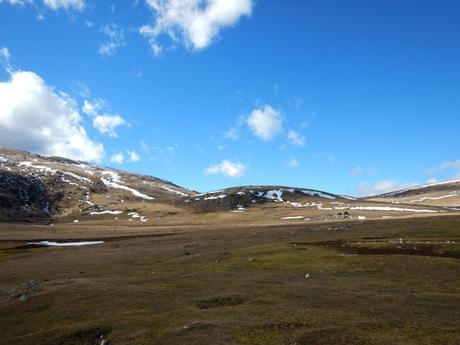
point(445, 193)
point(39, 186)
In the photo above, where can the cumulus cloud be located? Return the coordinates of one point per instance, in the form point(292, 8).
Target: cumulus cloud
point(104, 123)
point(293, 163)
point(35, 117)
point(386, 186)
point(115, 39)
point(295, 138)
point(265, 122)
point(107, 124)
point(193, 23)
point(227, 168)
point(118, 158)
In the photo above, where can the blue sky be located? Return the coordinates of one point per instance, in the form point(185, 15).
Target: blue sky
point(350, 97)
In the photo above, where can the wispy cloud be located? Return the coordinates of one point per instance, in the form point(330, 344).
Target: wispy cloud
point(381, 187)
point(448, 165)
point(115, 39)
point(293, 163)
point(78, 5)
point(360, 171)
point(295, 138)
point(133, 156)
point(118, 158)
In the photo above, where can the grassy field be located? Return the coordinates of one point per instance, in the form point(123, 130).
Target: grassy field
point(374, 282)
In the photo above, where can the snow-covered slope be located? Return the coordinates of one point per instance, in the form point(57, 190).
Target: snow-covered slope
point(42, 186)
point(57, 189)
point(446, 193)
point(247, 196)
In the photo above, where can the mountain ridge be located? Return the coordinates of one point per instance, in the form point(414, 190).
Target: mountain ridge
point(34, 186)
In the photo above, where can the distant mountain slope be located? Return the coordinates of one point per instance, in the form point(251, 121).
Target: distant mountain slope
point(242, 197)
point(36, 187)
point(446, 193)
point(40, 186)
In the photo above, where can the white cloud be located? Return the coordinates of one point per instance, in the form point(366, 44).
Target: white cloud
point(104, 123)
point(35, 117)
point(133, 156)
point(295, 138)
point(448, 165)
point(17, 2)
point(293, 163)
point(194, 23)
point(227, 168)
point(265, 122)
point(5, 54)
point(386, 186)
point(5, 59)
point(360, 171)
point(232, 133)
point(78, 5)
point(92, 108)
point(118, 158)
point(115, 39)
point(297, 103)
point(107, 124)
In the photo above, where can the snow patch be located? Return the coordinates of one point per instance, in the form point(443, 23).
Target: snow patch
point(105, 212)
point(137, 215)
point(387, 208)
point(115, 182)
point(65, 244)
point(222, 196)
point(434, 198)
point(292, 217)
point(419, 187)
point(317, 193)
point(275, 195)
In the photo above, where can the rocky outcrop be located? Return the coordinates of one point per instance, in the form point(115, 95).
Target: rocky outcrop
point(23, 196)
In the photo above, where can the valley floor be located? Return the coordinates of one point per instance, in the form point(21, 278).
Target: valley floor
point(377, 282)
